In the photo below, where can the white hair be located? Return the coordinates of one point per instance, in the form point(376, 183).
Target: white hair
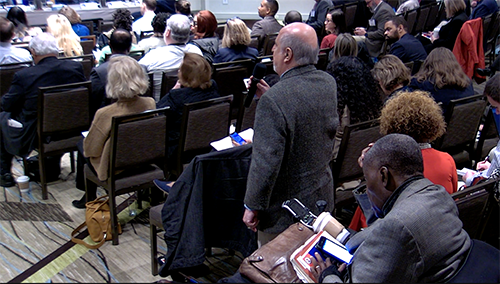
point(180, 27)
point(44, 44)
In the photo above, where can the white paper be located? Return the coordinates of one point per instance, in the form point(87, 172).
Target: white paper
point(226, 143)
point(85, 133)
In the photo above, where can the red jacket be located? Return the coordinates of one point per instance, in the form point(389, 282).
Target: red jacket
point(469, 50)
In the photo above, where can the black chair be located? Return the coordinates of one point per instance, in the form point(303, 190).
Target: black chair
point(7, 72)
point(423, 14)
point(350, 13)
point(246, 116)
point(430, 23)
point(88, 43)
point(488, 137)
point(168, 81)
point(137, 147)
point(345, 167)
point(268, 43)
point(56, 135)
point(491, 37)
point(86, 60)
point(323, 59)
point(411, 19)
point(463, 117)
point(136, 54)
point(202, 123)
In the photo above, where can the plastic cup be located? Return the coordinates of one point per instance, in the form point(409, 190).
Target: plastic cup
point(24, 183)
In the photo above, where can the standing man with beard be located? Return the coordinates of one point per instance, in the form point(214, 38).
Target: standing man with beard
point(406, 47)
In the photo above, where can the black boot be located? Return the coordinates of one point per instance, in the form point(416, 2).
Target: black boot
point(80, 204)
point(6, 180)
point(484, 72)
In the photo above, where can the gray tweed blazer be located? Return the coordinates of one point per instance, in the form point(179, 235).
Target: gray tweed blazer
point(295, 125)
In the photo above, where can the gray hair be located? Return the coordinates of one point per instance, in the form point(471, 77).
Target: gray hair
point(303, 53)
point(180, 26)
point(44, 44)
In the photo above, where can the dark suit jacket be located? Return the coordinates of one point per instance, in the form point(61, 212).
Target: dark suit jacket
point(484, 8)
point(317, 15)
point(408, 49)
point(448, 33)
point(239, 52)
point(20, 103)
point(295, 125)
point(268, 25)
point(375, 33)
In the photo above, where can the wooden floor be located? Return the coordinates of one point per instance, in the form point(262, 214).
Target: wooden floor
point(33, 249)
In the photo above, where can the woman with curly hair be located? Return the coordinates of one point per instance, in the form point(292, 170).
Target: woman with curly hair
point(392, 75)
point(416, 114)
point(358, 99)
point(442, 76)
point(67, 40)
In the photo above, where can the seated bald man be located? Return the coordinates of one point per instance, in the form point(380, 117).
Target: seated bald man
point(418, 236)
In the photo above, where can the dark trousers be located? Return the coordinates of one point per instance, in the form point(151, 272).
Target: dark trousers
point(5, 157)
point(80, 176)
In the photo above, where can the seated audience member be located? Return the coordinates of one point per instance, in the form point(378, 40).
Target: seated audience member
point(407, 6)
point(23, 32)
point(345, 45)
point(120, 44)
point(358, 99)
point(442, 76)
point(268, 24)
point(183, 7)
point(143, 24)
point(373, 35)
point(67, 40)
point(334, 25)
point(169, 57)
point(235, 43)
point(121, 19)
point(317, 16)
point(159, 25)
point(391, 74)
point(418, 236)
point(20, 103)
point(205, 38)
point(486, 168)
point(75, 20)
point(446, 33)
point(405, 46)
point(126, 81)
point(415, 114)
point(9, 53)
point(292, 16)
point(194, 85)
point(483, 8)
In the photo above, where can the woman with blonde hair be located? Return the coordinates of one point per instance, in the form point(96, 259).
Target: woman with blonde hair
point(127, 80)
point(391, 73)
point(235, 43)
point(67, 40)
point(75, 20)
point(446, 33)
point(442, 76)
point(345, 45)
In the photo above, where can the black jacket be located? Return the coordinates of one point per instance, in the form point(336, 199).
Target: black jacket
point(205, 209)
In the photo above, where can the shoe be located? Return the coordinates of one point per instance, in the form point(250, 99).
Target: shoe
point(163, 185)
point(484, 72)
point(80, 204)
point(6, 180)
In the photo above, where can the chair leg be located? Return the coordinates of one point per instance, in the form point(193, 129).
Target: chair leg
point(43, 179)
point(154, 248)
point(72, 161)
point(114, 217)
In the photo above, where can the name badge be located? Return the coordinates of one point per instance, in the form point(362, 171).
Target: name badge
point(313, 13)
point(371, 22)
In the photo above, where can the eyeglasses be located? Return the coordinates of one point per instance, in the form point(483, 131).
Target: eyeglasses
point(232, 19)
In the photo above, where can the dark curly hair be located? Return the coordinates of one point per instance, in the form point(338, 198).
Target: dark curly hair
point(415, 114)
point(356, 88)
point(159, 22)
point(122, 19)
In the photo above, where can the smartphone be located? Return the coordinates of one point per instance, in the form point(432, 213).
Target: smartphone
point(237, 138)
point(332, 249)
point(300, 211)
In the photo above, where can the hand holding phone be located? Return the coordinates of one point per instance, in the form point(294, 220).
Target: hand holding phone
point(330, 248)
point(237, 138)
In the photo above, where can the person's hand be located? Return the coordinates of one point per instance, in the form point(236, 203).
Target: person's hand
point(262, 87)
point(362, 157)
point(467, 175)
point(244, 143)
point(177, 85)
point(319, 265)
point(360, 31)
point(433, 37)
point(250, 218)
point(483, 165)
point(473, 4)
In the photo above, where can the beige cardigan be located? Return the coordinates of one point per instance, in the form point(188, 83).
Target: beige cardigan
point(96, 144)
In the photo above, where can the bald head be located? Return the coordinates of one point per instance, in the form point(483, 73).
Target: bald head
point(120, 41)
point(295, 45)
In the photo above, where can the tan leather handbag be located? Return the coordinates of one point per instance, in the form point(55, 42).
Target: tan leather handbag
point(98, 222)
point(271, 262)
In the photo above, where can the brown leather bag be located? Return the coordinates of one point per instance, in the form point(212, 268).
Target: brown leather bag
point(271, 262)
point(98, 222)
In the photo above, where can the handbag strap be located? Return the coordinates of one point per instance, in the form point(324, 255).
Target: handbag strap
point(82, 242)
